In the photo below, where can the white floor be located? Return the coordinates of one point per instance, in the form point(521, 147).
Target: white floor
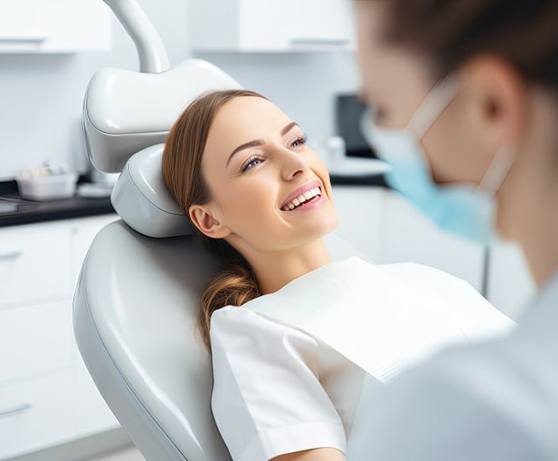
point(126, 455)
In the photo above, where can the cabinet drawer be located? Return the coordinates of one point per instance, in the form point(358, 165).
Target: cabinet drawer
point(92, 413)
point(35, 262)
point(35, 339)
point(84, 231)
point(36, 413)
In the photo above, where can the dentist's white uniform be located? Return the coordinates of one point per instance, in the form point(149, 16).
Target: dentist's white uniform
point(290, 368)
point(496, 401)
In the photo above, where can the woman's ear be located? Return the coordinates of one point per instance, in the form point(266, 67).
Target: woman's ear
point(205, 221)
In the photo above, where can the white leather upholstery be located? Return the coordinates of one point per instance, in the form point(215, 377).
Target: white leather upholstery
point(134, 316)
point(125, 111)
point(141, 197)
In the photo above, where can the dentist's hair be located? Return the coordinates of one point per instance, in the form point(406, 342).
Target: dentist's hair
point(523, 32)
point(182, 173)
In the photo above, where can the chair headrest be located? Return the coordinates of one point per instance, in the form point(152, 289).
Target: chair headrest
point(142, 199)
point(126, 111)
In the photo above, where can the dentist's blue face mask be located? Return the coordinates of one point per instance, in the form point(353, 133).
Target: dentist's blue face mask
point(468, 211)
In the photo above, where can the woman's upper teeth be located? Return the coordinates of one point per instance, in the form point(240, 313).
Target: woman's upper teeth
point(302, 198)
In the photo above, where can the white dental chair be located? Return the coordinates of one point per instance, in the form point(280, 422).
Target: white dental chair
point(136, 302)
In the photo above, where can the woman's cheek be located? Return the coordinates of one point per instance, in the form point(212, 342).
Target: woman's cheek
point(257, 202)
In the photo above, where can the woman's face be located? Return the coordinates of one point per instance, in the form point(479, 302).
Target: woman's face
point(255, 163)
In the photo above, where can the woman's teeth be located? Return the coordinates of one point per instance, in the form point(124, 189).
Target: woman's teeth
point(308, 195)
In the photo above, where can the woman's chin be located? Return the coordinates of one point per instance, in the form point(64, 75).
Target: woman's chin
point(322, 225)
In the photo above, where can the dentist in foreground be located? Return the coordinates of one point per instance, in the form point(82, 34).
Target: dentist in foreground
point(464, 99)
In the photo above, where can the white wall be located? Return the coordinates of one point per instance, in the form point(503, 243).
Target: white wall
point(41, 95)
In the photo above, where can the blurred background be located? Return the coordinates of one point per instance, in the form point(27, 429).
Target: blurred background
point(299, 53)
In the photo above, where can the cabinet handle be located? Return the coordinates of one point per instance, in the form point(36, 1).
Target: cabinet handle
point(320, 41)
point(10, 255)
point(36, 39)
point(15, 410)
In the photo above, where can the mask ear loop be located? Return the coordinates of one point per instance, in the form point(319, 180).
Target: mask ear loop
point(498, 169)
point(433, 104)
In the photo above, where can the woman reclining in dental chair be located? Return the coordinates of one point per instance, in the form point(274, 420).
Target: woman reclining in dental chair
point(297, 340)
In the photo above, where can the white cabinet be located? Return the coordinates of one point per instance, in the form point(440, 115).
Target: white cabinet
point(36, 413)
point(407, 235)
point(385, 228)
point(83, 232)
point(92, 415)
point(46, 393)
point(271, 25)
point(54, 26)
point(35, 339)
point(34, 263)
point(360, 215)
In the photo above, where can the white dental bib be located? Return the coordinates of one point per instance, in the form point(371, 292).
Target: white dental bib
point(383, 318)
point(292, 367)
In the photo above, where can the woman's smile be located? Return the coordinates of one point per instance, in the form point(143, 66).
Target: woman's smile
point(310, 200)
point(306, 197)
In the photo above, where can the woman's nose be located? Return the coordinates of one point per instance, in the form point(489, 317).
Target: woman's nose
point(292, 163)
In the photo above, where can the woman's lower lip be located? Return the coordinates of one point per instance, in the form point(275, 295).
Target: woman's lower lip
point(316, 202)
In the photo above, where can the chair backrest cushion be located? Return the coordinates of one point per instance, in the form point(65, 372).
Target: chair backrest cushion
point(143, 306)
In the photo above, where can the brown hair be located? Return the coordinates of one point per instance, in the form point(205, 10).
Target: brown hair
point(183, 177)
point(523, 32)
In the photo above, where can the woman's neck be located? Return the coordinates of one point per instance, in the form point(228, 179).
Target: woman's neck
point(275, 270)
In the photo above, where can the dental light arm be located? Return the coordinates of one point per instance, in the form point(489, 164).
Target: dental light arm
point(151, 51)
point(126, 111)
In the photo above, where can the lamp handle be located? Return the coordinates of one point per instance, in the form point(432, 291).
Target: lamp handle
point(151, 51)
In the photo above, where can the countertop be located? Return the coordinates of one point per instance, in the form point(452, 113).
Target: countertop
point(27, 211)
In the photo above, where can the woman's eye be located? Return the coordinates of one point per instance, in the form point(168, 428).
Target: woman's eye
point(299, 141)
point(251, 164)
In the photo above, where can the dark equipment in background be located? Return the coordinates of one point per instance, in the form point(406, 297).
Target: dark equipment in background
point(348, 110)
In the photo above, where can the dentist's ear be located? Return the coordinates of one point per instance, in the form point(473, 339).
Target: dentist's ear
point(207, 223)
point(501, 99)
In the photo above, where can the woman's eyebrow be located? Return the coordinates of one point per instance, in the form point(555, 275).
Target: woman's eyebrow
point(259, 142)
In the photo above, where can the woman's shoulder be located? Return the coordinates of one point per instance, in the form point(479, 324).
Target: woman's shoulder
point(236, 314)
point(244, 340)
point(234, 317)
point(230, 322)
point(244, 318)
